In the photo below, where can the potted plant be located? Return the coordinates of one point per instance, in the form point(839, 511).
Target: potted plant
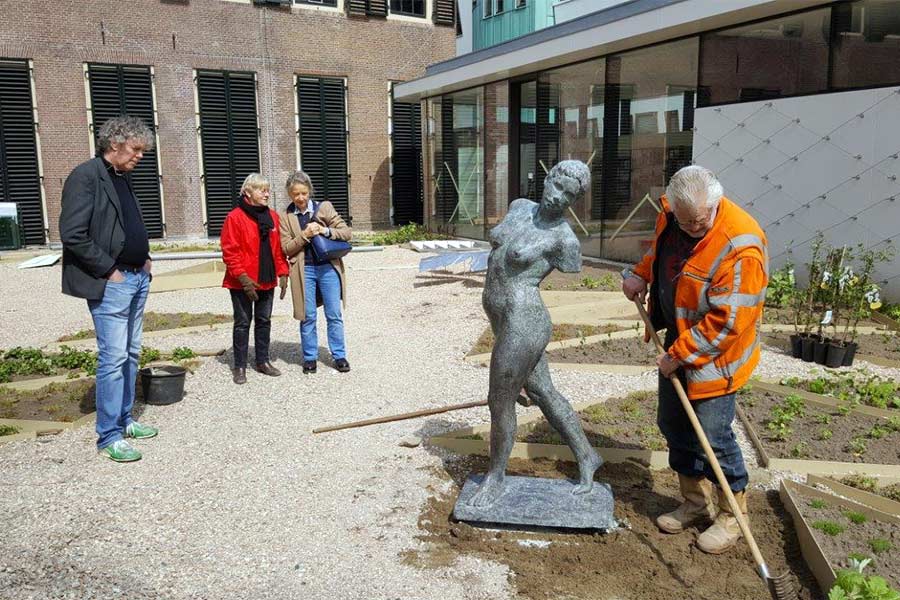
point(805, 303)
point(828, 297)
point(863, 296)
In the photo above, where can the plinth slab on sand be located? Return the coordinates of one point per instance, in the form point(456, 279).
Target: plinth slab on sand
point(540, 502)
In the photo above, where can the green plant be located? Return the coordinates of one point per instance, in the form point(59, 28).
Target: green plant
point(823, 418)
point(858, 446)
point(148, 355)
point(182, 353)
point(8, 430)
point(817, 503)
point(780, 291)
point(70, 358)
point(800, 450)
point(860, 482)
point(405, 234)
point(825, 434)
point(879, 545)
point(858, 556)
point(878, 431)
point(857, 518)
point(829, 527)
point(852, 584)
point(590, 283)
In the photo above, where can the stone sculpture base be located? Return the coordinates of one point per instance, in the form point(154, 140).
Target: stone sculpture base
point(536, 502)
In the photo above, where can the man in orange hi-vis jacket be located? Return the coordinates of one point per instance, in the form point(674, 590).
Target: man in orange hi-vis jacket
point(707, 272)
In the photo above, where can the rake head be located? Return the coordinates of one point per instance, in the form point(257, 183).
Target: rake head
point(780, 587)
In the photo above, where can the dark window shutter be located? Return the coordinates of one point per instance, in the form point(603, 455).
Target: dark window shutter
point(448, 166)
point(230, 139)
point(406, 182)
point(547, 142)
point(323, 139)
point(357, 7)
point(378, 8)
point(20, 180)
point(444, 12)
point(128, 90)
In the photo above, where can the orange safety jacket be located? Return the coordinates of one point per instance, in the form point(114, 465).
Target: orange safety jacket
point(719, 299)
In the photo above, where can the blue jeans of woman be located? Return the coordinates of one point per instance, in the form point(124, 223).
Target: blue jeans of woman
point(119, 322)
point(686, 456)
point(326, 280)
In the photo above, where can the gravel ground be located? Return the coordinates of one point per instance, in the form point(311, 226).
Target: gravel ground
point(236, 498)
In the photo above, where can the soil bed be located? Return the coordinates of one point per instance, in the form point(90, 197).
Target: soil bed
point(820, 434)
point(628, 423)
point(870, 484)
point(561, 331)
point(636, 561)
point(67, 402)
point(154, 321)
point(589, 279)
point(855, 538)
point(625, 351)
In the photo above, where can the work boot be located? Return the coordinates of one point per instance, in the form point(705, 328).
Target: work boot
point(725, 531)
point(697, 507)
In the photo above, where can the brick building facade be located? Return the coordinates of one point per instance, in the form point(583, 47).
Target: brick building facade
point(178, 37)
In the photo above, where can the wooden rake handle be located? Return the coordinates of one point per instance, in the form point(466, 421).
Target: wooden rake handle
point(707, 449)
point(401, 417)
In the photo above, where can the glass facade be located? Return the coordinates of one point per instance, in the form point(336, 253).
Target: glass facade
point(630, 117)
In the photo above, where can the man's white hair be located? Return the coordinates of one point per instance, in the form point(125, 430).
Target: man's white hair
point(694, 187)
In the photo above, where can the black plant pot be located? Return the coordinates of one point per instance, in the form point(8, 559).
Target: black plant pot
point(820, 349)
point(807, 345)
point(797, 345)
point(162, 385)
point(849, 353)
point(834, 355)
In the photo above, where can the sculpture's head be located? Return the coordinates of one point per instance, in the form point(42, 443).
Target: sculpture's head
point(565, 183)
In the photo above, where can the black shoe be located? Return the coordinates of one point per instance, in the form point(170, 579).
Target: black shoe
point(268, 369)
point(239, 375)
point(342, 365)
point(309, 366)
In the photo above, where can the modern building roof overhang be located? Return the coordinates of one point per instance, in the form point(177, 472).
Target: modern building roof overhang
point(622, 27)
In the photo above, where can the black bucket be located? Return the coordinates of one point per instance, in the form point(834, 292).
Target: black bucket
point(807, 345)
point(163, 384)
point(797, 345)
point(850, 354)
point(820, 348)
point(834, 355)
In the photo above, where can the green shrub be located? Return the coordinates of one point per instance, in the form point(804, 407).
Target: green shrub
point(879, 545)
point(829, 527)
point(857, 518)
point(182, 353)
point(781, 287)
point(405, 234)
point(70, 358)
point(149, 355)
point(8, 430)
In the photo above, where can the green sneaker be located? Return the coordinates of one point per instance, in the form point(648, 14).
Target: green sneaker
point(140, 432)
point(120, 451)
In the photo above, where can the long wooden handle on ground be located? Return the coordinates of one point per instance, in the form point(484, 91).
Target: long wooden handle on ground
point(401, 417)
point(714, 462)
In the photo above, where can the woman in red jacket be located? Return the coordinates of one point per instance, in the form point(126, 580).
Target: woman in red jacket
point(251, 250)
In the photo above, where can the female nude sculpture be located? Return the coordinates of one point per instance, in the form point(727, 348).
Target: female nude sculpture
point(531, 241)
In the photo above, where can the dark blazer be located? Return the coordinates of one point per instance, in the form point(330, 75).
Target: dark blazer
point(91, 230)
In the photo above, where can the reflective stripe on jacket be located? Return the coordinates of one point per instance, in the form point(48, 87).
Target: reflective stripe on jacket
point(719, 299)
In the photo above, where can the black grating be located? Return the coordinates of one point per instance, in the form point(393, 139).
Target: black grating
point(323, 139)
point(230, 138)
point(128, 90)
point(20, 180)
point(406, 182)
point(546, 150)
point(448, 164)
point(377, 8)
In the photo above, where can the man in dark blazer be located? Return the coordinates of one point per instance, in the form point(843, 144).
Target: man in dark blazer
point(106, 260)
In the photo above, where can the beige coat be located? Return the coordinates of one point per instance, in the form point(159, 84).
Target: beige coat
point(294, 246)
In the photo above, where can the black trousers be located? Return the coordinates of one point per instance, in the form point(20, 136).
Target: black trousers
point(246, 310)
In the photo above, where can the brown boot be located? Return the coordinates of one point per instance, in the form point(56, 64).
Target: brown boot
point(725, 531)
point(266, 368)
point(697, 507)
point(239, 375)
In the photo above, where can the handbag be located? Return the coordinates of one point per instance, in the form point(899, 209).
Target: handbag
point(324, 248)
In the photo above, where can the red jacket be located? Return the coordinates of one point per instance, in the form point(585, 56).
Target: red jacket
point(240, 250)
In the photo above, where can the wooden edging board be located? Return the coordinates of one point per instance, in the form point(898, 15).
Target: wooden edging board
point(31, 429)
point(810, 467)
point(568, 343)
point(812, 552)
point(885, 505)
point(825, 401)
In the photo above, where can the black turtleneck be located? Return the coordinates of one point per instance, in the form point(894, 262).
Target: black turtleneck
point(137, 245)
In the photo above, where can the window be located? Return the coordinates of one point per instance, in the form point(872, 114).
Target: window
point(317, 2)
point(866, 44)
point(520, 3)
point(229, 138)
point(488, 8)
point(125, 89)
point(770, 59)
point(323, 139)
point(412, 8)
point(499, 6)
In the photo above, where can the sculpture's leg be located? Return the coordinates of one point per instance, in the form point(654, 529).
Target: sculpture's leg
point(506, 379)
point(560, 415)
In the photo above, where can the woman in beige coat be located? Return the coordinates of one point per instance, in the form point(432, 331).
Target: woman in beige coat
point(314, 283)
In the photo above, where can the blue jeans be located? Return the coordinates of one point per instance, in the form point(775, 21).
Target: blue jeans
point(118, 321)
point(686, 456)
point(326, 280)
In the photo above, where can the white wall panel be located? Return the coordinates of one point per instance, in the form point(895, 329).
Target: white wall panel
point(826, 162)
